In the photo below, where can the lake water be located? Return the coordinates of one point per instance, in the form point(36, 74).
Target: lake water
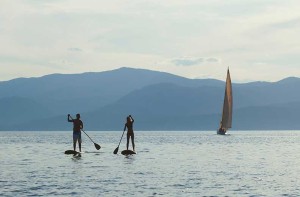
point(259, 163)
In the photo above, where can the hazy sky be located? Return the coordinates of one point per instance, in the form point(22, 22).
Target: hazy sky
point(257, 39)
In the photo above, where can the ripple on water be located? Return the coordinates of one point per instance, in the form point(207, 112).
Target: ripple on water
point(167, 163)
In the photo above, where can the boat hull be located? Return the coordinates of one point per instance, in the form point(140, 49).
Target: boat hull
point(221, 132)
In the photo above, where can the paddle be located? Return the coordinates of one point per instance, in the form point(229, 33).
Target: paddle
point(117, 149)
point(97, 146)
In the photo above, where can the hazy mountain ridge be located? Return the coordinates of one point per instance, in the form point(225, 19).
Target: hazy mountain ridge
point(84, 92)
point(16, 110)
point(157, 100)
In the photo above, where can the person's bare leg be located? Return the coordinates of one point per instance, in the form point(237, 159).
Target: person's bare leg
point(127, 141)
point(132, 141)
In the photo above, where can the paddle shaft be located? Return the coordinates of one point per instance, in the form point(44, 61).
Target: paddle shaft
point(121, 138)
point(117, 149)
point(88, 136)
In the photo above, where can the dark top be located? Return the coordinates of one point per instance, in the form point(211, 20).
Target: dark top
point(77, 125)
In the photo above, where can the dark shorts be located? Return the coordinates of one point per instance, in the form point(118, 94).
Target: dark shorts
point(77, 136)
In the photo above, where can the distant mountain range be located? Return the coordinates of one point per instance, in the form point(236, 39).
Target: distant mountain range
point(157, 101)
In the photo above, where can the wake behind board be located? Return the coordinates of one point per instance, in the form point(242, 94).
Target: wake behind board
point(128, 152)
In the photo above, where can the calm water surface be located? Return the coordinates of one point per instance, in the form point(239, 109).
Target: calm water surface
point(260, 163)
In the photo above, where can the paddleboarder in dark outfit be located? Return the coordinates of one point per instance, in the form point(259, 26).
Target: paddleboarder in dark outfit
point(77, 126)
point(130, 134)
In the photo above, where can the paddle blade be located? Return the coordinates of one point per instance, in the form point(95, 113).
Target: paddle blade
point(116, 150)
point(97, 146)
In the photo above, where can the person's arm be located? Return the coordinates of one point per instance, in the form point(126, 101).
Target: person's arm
point(69, 120)
point(132, 120)
point(125, 126)
point(81, 125)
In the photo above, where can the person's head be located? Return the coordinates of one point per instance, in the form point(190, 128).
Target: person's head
point(77, 116)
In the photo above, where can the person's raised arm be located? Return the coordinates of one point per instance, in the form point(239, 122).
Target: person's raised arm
point(69, 118)
point(132, 120)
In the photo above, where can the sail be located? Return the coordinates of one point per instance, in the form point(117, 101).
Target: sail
point(227, 106)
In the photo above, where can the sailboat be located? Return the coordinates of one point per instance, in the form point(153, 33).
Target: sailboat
point(226, 120)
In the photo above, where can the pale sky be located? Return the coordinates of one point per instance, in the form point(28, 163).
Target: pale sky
point(258, 39)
